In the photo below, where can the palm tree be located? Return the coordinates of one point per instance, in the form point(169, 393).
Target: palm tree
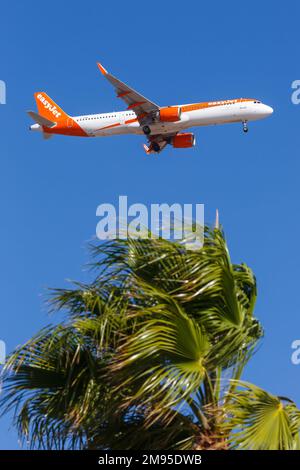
point(150, 356)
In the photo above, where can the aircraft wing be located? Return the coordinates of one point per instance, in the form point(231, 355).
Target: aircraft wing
point(135, 101)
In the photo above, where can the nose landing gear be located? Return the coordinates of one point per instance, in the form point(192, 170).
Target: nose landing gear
point(245, 126)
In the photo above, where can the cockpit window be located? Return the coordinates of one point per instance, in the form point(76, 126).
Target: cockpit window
point(257, 102)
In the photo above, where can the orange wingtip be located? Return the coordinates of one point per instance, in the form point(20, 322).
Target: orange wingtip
point(102, 69)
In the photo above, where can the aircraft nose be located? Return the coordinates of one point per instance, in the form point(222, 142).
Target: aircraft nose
point(268, 110)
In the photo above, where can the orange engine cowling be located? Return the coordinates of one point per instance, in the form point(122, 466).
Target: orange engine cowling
point(186, 140)
point(170, 114)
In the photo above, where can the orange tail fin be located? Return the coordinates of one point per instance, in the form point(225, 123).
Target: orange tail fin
point(62, 122)
point(48, 109)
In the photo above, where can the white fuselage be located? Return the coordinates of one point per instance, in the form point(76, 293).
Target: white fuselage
point(221, 112)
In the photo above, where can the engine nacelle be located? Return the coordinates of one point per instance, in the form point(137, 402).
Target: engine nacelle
point(182, 141)
point(171, 114)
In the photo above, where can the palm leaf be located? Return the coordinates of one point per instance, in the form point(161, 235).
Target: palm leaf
point(165, 356)
point(261, 421)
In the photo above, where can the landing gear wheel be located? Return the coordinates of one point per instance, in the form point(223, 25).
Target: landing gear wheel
point(146, 130)
point(245, 126)
point(155, 147)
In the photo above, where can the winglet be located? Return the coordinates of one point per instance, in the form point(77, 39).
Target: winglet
point(102, 69)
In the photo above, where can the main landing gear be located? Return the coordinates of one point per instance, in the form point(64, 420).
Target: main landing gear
point(245, 126)
point(146, 130)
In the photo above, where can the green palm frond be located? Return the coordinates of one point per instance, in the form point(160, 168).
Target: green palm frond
point(166, 355)
point(261, 421)
point(54, 382)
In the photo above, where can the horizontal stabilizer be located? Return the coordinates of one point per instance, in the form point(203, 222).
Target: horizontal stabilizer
point(40, 119)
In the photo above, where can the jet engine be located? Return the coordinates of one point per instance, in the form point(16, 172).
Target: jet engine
point(171, 114)
point(185, 140)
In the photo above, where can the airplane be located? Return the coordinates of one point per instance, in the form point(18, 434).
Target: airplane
point(161, 125)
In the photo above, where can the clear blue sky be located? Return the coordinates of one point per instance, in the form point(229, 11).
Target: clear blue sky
point(182, 53)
